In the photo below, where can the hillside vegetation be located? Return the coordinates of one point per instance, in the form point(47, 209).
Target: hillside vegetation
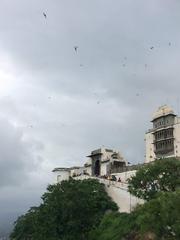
point(82, 210)
point(159, 218)
point(68, 211)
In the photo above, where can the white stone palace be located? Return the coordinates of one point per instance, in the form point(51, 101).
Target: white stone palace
point(104, 161)
point(163, 140)
point(100, 162)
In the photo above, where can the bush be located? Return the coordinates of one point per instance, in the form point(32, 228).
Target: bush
point(69, 211)
point(157, 219)
point(161, 175)
point(160, 216)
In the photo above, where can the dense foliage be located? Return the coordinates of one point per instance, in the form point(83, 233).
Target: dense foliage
point(161, 216)
point(82, 210)
point(114, 226)
point(161, 175)
point(69, 211)
point(157, 219)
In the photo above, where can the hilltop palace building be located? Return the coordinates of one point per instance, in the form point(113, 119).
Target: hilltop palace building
point(100, 162)
point(163, 140)
point(104, 161)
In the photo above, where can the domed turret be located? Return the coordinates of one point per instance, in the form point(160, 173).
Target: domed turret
point(163, 111)
point(163, 140)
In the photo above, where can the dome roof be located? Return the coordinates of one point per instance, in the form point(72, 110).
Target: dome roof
point(163, 111)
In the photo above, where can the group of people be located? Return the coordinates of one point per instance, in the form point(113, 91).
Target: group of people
point(107, 177)
point(111, 178)
point(80, 174)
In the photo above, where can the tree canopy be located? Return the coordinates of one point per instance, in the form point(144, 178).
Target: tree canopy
point(157, 219)
point(161, 216)
point(69, 210)
point(82, 210)
point(114, 226)
point(160, 175)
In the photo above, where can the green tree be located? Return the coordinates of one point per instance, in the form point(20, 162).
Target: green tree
point(114, 226)
point(69, 211)
point(25, 225)
point(161, 175)
point(160, 216)
point(157, 219)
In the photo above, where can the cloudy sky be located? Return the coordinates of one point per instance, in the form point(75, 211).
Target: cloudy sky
point(58, 104)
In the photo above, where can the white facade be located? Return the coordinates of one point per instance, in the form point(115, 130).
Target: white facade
point(124, 176)
point(61, 174)
point(88, 169)
point(104, 161)
point(163, 140)
point(150, 155)
point(118, 191)
point(120, 195)
point(104, 169)
point(177, 137)
point(100, 162)
point(74, 171)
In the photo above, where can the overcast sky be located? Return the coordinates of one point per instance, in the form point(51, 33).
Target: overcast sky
point(58, 104)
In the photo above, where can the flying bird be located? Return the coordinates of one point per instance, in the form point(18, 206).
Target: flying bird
point(75, 48)
point(152, 48)
point(169, 43)
point(44, 14)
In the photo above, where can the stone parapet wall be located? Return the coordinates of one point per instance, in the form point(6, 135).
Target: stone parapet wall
point(118, 191)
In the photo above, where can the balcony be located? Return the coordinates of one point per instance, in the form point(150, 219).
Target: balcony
point(162, 127)
point(162, 139)
point(164, 151)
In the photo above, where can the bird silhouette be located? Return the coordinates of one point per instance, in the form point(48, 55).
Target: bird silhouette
point(44, 14)
point(169, 43)
point(152, 48)
point(75, 48)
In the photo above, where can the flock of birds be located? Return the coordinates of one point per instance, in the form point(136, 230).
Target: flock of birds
point(76, 48)
point(125, 58)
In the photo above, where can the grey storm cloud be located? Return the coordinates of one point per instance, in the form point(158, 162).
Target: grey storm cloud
point(16, 158)
point(58, 104)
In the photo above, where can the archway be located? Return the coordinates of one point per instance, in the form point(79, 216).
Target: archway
point(97, 168)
